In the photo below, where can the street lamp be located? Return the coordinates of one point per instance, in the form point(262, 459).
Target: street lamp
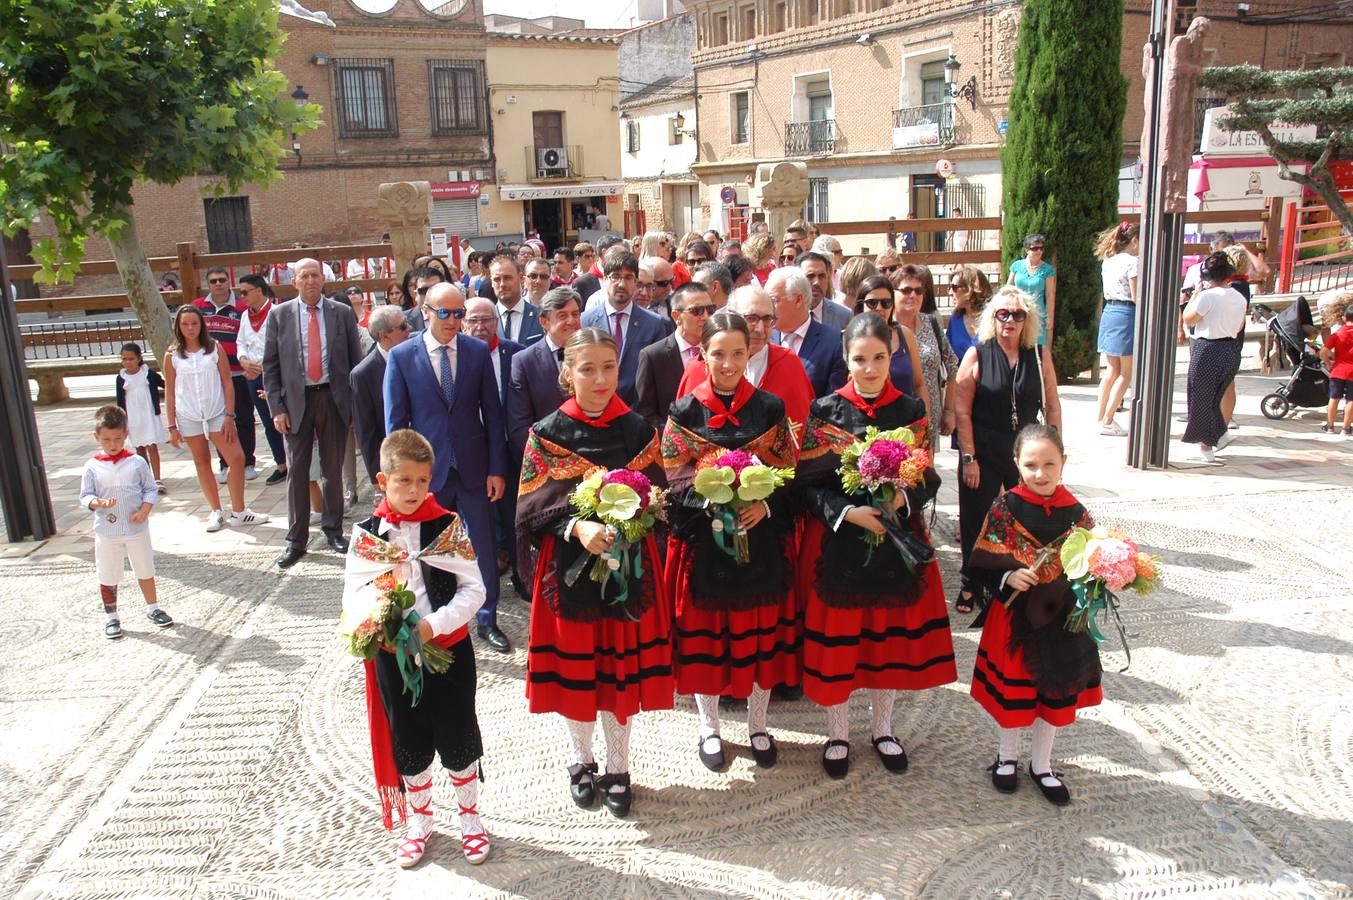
point(300, 96)
point(969, 89)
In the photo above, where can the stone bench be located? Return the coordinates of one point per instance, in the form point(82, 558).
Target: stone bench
point(50, 374)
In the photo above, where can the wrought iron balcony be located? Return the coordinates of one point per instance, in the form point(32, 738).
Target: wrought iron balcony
point(554, 163)
point(930, 125)
point(810, 138)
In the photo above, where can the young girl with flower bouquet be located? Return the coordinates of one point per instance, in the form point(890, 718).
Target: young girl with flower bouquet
point(874, 611)
point(729, 567)
point(1032, 670)
point(591, 492)
point(411, 587)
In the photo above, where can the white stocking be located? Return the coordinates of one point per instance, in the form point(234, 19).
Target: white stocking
point(580, 736)
point(418, 795)
point(466, 784)
point(1007, 748)
point(708, 706)
point(1041, 755)
point(758, 705)
point(838, 729)
point(617, 747)
point(882, 720)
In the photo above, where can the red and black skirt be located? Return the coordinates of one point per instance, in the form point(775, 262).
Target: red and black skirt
point(1015, 696)
point(580, 666)
point(878, 642)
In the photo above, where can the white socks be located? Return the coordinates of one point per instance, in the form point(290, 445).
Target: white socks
point(758, 705)
point(708, 707)
point(466, 784)
point(1041, 756)
point(881, 702)
point(580, 737)
point(1007, 750)
point(418, 796)
point(617, 748)
point(838, 729)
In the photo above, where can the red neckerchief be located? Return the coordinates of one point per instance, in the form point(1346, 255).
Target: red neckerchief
point(1060, 499)
point(614, 410)
point(116, 458)
point(870, 407)
point(429, 510)
point(257, 318)
point(493, 343)
point(704, 392)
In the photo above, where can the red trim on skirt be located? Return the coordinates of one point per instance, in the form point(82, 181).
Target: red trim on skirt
point(898, 648)
point(1004, 688)
point(578, 669)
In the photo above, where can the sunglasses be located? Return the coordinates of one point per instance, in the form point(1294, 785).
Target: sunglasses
point(534, 276)
point(1011, 315)
point(957, 287)
point(766, 321)
point(888, 270)
point(446, 313)
point(700, 310)
point(425, 288)
point(665, 283)
point(1038, 247)
point(217, 280)
point(696, 260)
point(911, 290)
point(878, 302)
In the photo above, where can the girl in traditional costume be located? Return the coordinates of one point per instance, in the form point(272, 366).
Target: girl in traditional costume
point(1030, 670)
point(596, 647)
point(874, 615)
point(736, 630)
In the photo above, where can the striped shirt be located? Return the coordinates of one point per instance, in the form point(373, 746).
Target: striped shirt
point(223, 324)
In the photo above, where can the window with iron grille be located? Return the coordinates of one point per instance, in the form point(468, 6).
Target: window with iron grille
point(365, 97)
point(456, 87)
point(815, 210)
point(632, 136)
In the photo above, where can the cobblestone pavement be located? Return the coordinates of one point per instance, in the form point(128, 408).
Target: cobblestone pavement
point(226, 757)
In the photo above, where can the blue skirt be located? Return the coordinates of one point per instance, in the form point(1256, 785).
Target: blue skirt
point(1116, 326)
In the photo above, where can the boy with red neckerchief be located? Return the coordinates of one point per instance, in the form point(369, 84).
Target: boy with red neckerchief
point(411, 540)
point(119, 488)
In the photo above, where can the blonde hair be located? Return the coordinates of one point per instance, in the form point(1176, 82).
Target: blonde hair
point(1033, 325)
point(888, 256)
point(1115, 239)
point(649, 245)
point(583, 337)
point(853, 273)
point(685, 242)
point(757, 249)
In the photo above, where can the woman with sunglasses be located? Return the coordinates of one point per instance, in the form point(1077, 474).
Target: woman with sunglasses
point(788, 253)
point(939, 366)
point(1036, 277)
point(904, 368)
point(1006, 381)
point(853, 274)
point(970, 290)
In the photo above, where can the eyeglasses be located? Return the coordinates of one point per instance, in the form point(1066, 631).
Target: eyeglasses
point(218, 281)
point(446, 313)
point(697, 311)
point(480, 320)
point(665, 283)
point(911, 290)
point(888, 270)
point(1011, 315)
point(766, 321)
point(878, 302)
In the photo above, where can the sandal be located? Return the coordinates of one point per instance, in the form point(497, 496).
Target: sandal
point(963, 604)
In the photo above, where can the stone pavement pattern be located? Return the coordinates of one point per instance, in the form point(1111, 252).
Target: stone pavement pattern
point(226, 757)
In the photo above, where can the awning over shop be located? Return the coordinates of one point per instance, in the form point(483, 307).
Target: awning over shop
point(560, 191)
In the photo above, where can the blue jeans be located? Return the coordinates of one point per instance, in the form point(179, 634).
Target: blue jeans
point(275, 442)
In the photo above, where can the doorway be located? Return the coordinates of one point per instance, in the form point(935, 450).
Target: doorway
point(926, 191)
point(547, 218)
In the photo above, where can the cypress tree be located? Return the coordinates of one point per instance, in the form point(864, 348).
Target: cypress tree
point(1062, 154)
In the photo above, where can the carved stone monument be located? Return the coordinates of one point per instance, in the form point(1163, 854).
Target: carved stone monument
point(780, 189)
point(405, 208)
point(1183, 65)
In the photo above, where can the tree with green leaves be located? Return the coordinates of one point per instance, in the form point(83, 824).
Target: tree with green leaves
point(1261, 100)
point(103, 94)
point(1063, 151)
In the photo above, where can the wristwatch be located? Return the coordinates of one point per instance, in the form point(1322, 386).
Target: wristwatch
point(967, 458)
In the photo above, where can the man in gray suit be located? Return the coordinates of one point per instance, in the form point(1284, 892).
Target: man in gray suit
point(311, 349)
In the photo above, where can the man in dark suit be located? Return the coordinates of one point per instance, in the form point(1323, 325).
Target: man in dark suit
point(590, 282)
point(367, 380)
point(534, 391)
point(518, 320)
point(817, 346)
point(661, 365)
point(442, 386)
point(818, 269)
point(310, 349)
point(420, 281)
point(633, 327)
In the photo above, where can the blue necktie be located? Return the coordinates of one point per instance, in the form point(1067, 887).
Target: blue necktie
point(448, 380)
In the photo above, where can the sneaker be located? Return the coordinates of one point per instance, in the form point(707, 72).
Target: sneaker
point(216, 521)
point(250, 473)
point(1348, 431)
point(159, 618)
point(1113, 429)
point(246, 517)
point(160, 488)
point(1225, 440)
point(277, 477)
point(1330, 429)
point(316, 518)
point(1207, 454)
point(112, 629)
point(222, 476)
point(1232, 425)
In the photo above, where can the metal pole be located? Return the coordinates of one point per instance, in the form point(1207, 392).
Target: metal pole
point(23, 480)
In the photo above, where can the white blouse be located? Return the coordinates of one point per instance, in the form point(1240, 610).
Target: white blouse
point(1117, 272)
point(198, 395)
point(1222, 310)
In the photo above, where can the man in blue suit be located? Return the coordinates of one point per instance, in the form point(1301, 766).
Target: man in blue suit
point(633, 327)
point(518, 319)
point(817, 346)
point(535, 392)
point(441, 384)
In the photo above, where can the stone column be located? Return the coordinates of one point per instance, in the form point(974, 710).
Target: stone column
point(405, 208)
point(780, 189)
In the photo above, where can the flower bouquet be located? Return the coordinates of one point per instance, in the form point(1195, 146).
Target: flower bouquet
point(630, 505)
point(383, 625)
point(735, 480)
point(1098, 563)
point(880, 465)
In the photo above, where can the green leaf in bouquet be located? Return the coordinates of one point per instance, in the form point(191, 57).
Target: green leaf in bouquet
point(715, 484)
point(1076, 554)
point(618, 501)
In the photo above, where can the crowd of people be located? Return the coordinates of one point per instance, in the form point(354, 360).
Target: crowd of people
point(481, 400)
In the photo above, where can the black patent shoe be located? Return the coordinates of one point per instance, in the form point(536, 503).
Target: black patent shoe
point(582, 784)
point(713, 761)
point(765, 758)
point(836, 768)
point(1006, 784)
point(1056, 794)
point(618, 802)
point(893, 762)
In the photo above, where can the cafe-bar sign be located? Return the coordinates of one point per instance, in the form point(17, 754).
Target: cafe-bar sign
point(560, 191)
point(1217, 142)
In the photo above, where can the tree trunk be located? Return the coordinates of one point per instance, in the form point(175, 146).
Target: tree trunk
point(142, 289)
point(1323, 184)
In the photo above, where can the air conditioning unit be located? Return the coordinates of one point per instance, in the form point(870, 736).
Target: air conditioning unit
point(551, 162)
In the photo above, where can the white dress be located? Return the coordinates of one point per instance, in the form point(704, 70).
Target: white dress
point(198, 396)
point(144, 425)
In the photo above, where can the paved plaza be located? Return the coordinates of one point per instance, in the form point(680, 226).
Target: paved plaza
point(227, 756)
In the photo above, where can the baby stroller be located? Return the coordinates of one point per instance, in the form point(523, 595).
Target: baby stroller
point(1309, 384)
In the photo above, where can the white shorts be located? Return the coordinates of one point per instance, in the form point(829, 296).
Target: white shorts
point(110, 551)
point(193, 428)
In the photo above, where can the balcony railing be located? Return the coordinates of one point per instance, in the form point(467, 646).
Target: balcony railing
point(810, 138)
point(554, 163)
point(930, 125)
